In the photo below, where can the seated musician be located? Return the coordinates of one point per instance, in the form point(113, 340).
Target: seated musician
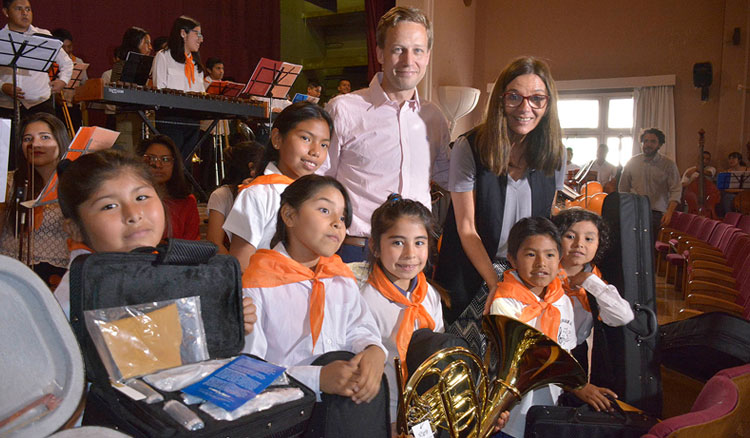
point(215, 70)
point(75, 111)
point(179, 67)
point(736, 163)
point(128, 124)
point(606, 173)
point(691, 173)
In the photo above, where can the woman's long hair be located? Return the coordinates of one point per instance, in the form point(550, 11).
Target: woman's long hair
point(544, 148)
point(24, 171)
point(177, 186)
point(176, 43)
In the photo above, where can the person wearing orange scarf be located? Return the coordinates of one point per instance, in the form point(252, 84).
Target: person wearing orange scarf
point(298, 146)
point(533, 294)
point(179, 67)
point(584, 237)
point(397, 292)
point(311, 317)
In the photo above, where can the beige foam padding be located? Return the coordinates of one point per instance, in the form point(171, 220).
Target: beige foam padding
point(145, 344)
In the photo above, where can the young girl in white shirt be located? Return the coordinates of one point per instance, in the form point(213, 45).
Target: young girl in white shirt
point(311, 317)
point(299, 144)
point(397, 291)
point(179, 67)
point(584, 238)
point(111, 204)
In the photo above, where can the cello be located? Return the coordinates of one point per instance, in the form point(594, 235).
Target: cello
point(702, 195)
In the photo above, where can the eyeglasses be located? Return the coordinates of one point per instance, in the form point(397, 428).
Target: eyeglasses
point(153, 159)
point(197, 32)
point(536, 101)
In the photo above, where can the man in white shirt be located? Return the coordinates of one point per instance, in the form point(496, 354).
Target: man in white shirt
point(33, 88)
point(605, 172)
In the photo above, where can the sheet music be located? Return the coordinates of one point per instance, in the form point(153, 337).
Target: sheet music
point(4, 153)
point(77, 77)
point(37, 54)
point(88, 139)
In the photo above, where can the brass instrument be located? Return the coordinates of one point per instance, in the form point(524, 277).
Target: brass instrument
point(461, 396)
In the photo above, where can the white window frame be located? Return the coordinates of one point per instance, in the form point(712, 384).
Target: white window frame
point(602, 131)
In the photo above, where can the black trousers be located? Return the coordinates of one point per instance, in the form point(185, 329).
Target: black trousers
point(338, 417)
point(184, 132)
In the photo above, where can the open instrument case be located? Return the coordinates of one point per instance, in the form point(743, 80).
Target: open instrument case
point(41, 369)
point(175, 270)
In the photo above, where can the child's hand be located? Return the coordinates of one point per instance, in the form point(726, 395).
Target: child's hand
point(338, 377)
point(595, 396)
point(502, 420)
point(370, 363)
point(248, 310)
point(577, 280)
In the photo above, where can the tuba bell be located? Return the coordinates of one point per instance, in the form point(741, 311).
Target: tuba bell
point(453, 390)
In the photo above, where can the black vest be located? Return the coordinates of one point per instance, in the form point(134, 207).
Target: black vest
point(454, 269)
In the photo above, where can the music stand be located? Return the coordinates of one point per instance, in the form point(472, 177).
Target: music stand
point(225, 88)
point(87, 139)
point(29, 52)
point(272, 79)
point(136, 69)
point(76, 76)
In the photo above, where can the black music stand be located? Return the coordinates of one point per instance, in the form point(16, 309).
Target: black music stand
point(136, 70)
point(76, 77)
point(30, 52)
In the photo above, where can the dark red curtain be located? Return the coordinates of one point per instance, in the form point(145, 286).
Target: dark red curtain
point(239, 32)
point(374, 9)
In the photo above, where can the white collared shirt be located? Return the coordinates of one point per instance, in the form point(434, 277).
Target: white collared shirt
point(282, 334)
point(35, 84)
point(547, 395)
point(254, 213)
point(168, 73)
point(614, 310)
point(388, 316)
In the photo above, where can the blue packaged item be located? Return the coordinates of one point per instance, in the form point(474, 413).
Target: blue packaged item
point(235, 383)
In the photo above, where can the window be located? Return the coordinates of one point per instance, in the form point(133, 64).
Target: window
point(590, 119)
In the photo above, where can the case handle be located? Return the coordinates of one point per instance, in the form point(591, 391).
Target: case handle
point(653, 326)
point(182, 252)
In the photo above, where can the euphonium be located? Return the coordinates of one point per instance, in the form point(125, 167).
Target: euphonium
point(462, 398)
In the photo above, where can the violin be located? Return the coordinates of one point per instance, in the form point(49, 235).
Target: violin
point(702, 195)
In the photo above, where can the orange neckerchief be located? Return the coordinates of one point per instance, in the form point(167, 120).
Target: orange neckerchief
point(74, 245)
point(415, 311)
point(579, 293)
point(549, 315)
point(271, 178)
point(269, 268)
point(189, 68)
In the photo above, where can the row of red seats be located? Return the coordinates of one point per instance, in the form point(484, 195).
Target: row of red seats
point(708, 261)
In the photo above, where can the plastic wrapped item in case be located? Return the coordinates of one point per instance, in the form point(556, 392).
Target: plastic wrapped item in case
point(183, 415)
point(265, 400)
point(141, 339)
point(174, 379)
